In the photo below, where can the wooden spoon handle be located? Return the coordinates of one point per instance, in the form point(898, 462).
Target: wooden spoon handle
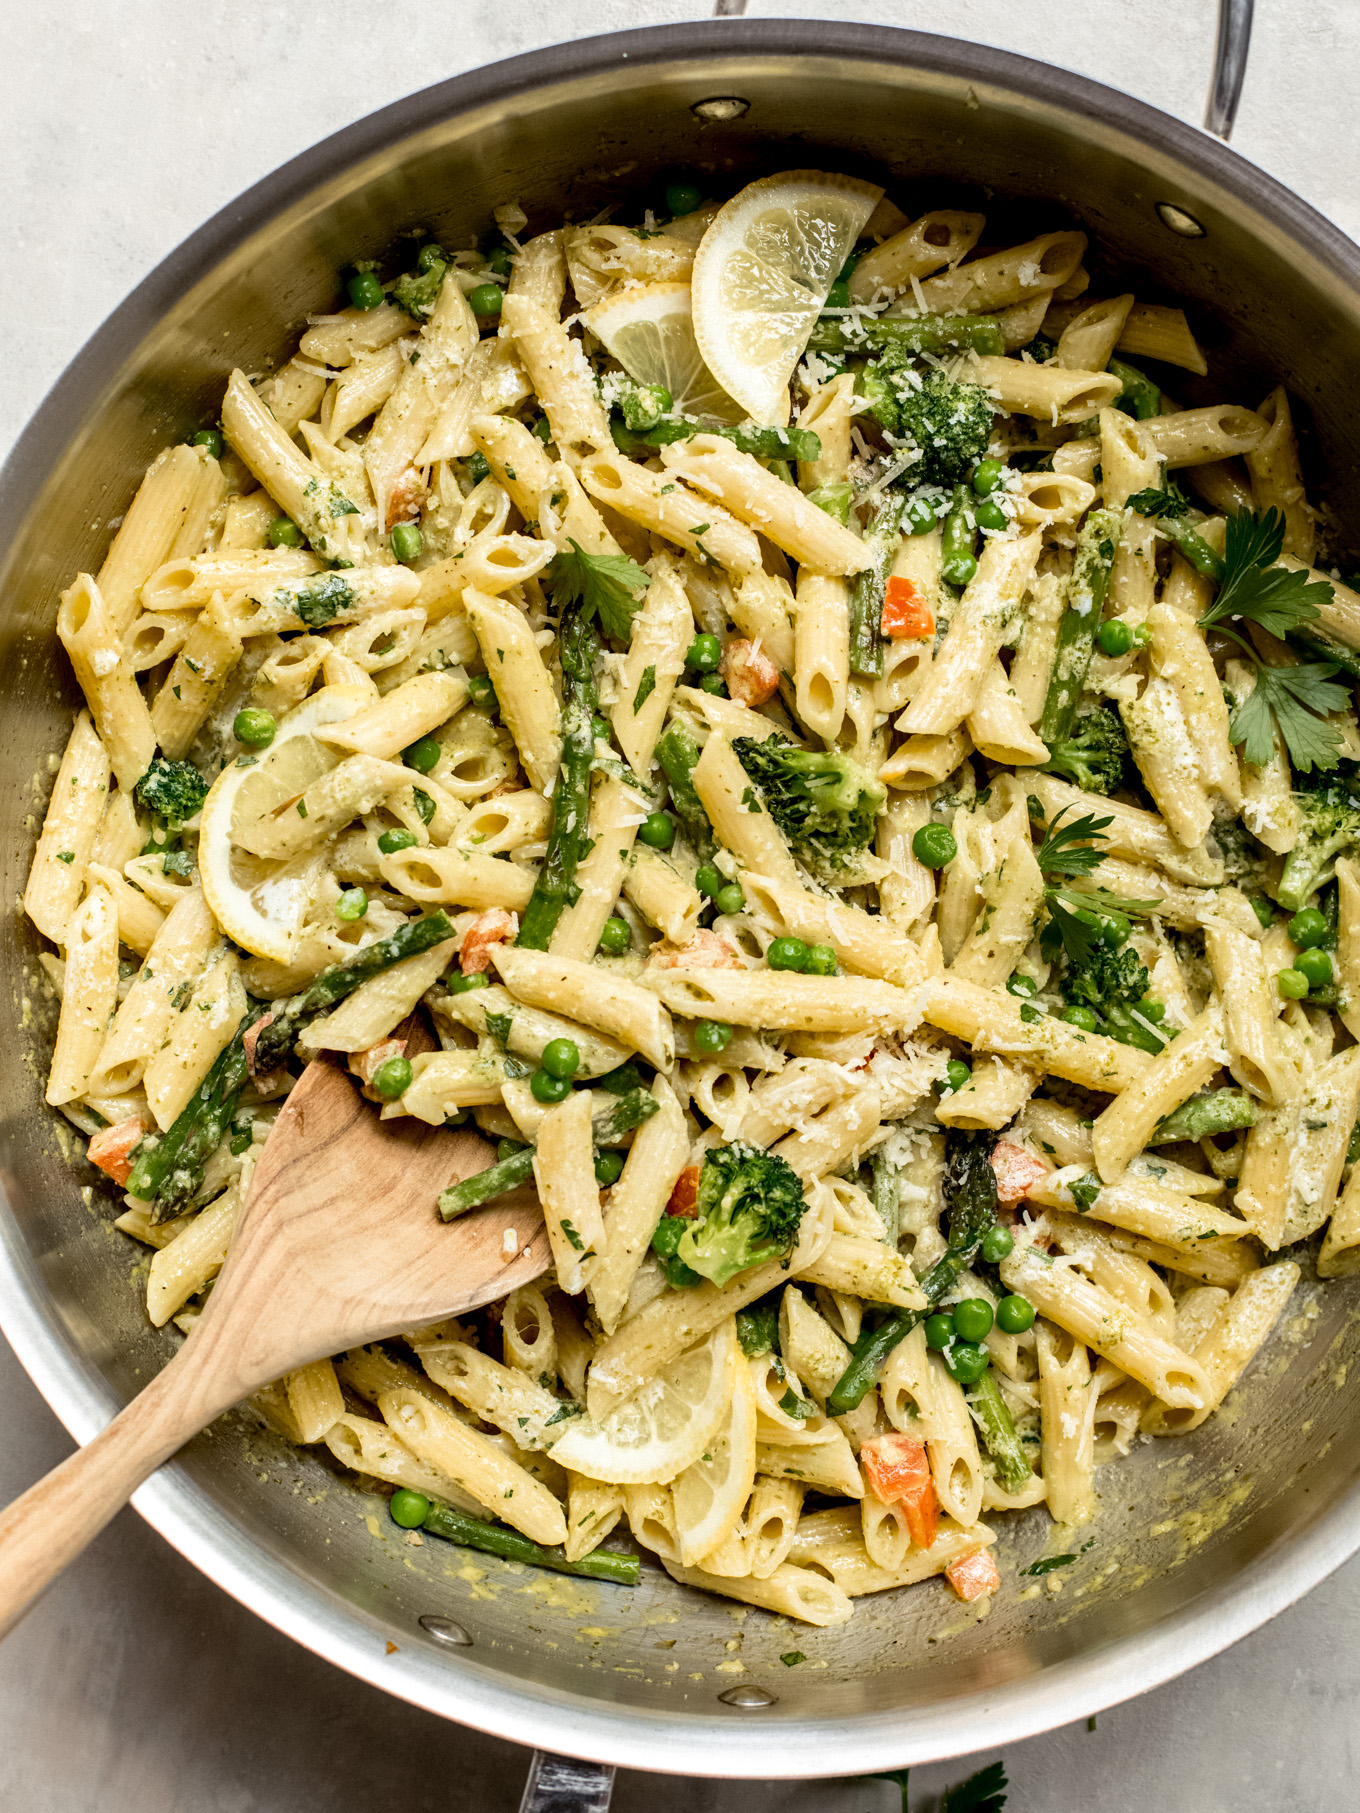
point(53, 1521)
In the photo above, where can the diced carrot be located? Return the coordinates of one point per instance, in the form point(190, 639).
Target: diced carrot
point(684, 1198)
point(1017, 1171)
point(111, 1148)
point(705, 950)
point(973, 1575)
point(905, 611)
point(364, 1064)
point(493, 927)
point(750, 674)
point(403, 501)
point(898, 1472)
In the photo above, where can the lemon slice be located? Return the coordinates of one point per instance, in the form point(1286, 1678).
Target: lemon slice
point(710, 1495)
point(664, 1427)
point(649, 328)
point(761, 276)
point(261, 905)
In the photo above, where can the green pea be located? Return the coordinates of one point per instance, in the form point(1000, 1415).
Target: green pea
point(704, 654)
point(682, 198)
point(1142, 636)
point(392, 841)
point(966, 1362)
point(973, 1319)
point(1308, 929)
point(284, 533)
point(988, 476)
point(1316, 966)
point(657, 831)
point(211, 438)
point(920, 517)
point(997, 1243)
point(730, 898)
point(958, 569)
point(1014, 1315)
point(498, 260)
point(423, 754)
point(989, 514)
point(821, 960)
point(714, 685)
point(1115, 931)
point(1114, 637)
point(939, 1331)
point(956, 1074)
point(507, 1148)
point(364, 290)
point(478, 467)
point(407, 541)
point(561, 1057)
point(460, 984)
point(712, 1035)
point(254, 728)
point(429, 256)
point(1021, 985)
point(1150, 1009)
point(393, 1078)
point(615, 937)
point(710, 881)
point(838, 296)
point(1082, 1017)
point(547, 1088)
point(1292, 984)
point(1265, 910)
point(352, 904)
point(608, 1168)
point(486, 299)
point(480, 688)
point(787, 953)
point(601, 728)
point(934, 846)
point(409, 1509)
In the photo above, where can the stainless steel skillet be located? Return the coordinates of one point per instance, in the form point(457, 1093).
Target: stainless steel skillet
point(1254, 1512)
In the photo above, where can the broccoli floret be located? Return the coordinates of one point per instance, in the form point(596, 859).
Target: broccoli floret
point(418, 291)
point(748, 1210)
point(1110, 983)
point(1329, 823)
point(1092, 754)
point(949, 425)
point(821, 799)
point(171, 791)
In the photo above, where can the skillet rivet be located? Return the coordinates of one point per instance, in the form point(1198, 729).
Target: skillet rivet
point(444, 1630)
point(721, 107)
point(1179, 221)
point(749, 1699)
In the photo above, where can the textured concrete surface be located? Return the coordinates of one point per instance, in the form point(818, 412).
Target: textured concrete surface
point(137, 1684)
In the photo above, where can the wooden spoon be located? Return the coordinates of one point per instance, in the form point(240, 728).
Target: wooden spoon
point(338, 1244)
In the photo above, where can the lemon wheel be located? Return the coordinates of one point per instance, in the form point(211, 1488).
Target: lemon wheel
point(649, 329)
point(761, 277)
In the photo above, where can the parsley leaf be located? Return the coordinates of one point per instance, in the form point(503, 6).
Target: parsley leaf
point(606, 585)
point(646, 687)
point(1294, 695)
point(1069, 849)
point(1254, 587)
point(984, 1792)
point(1165, 500)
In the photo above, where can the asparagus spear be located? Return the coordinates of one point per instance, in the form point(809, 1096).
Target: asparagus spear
point(998, 1432)
point(608, 1128)
point(495, 1539)
point(1216, 1111)
point(887, 1196)
point(167, 1168)
point(763, 443)
point(1096, 543)
point(569, 839)
point(928, 334)
point(677, 752)
point(970, 1187)
point(867, 591)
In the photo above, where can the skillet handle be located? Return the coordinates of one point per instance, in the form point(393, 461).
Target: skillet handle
point(561, 1784)
point(1230, 65)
